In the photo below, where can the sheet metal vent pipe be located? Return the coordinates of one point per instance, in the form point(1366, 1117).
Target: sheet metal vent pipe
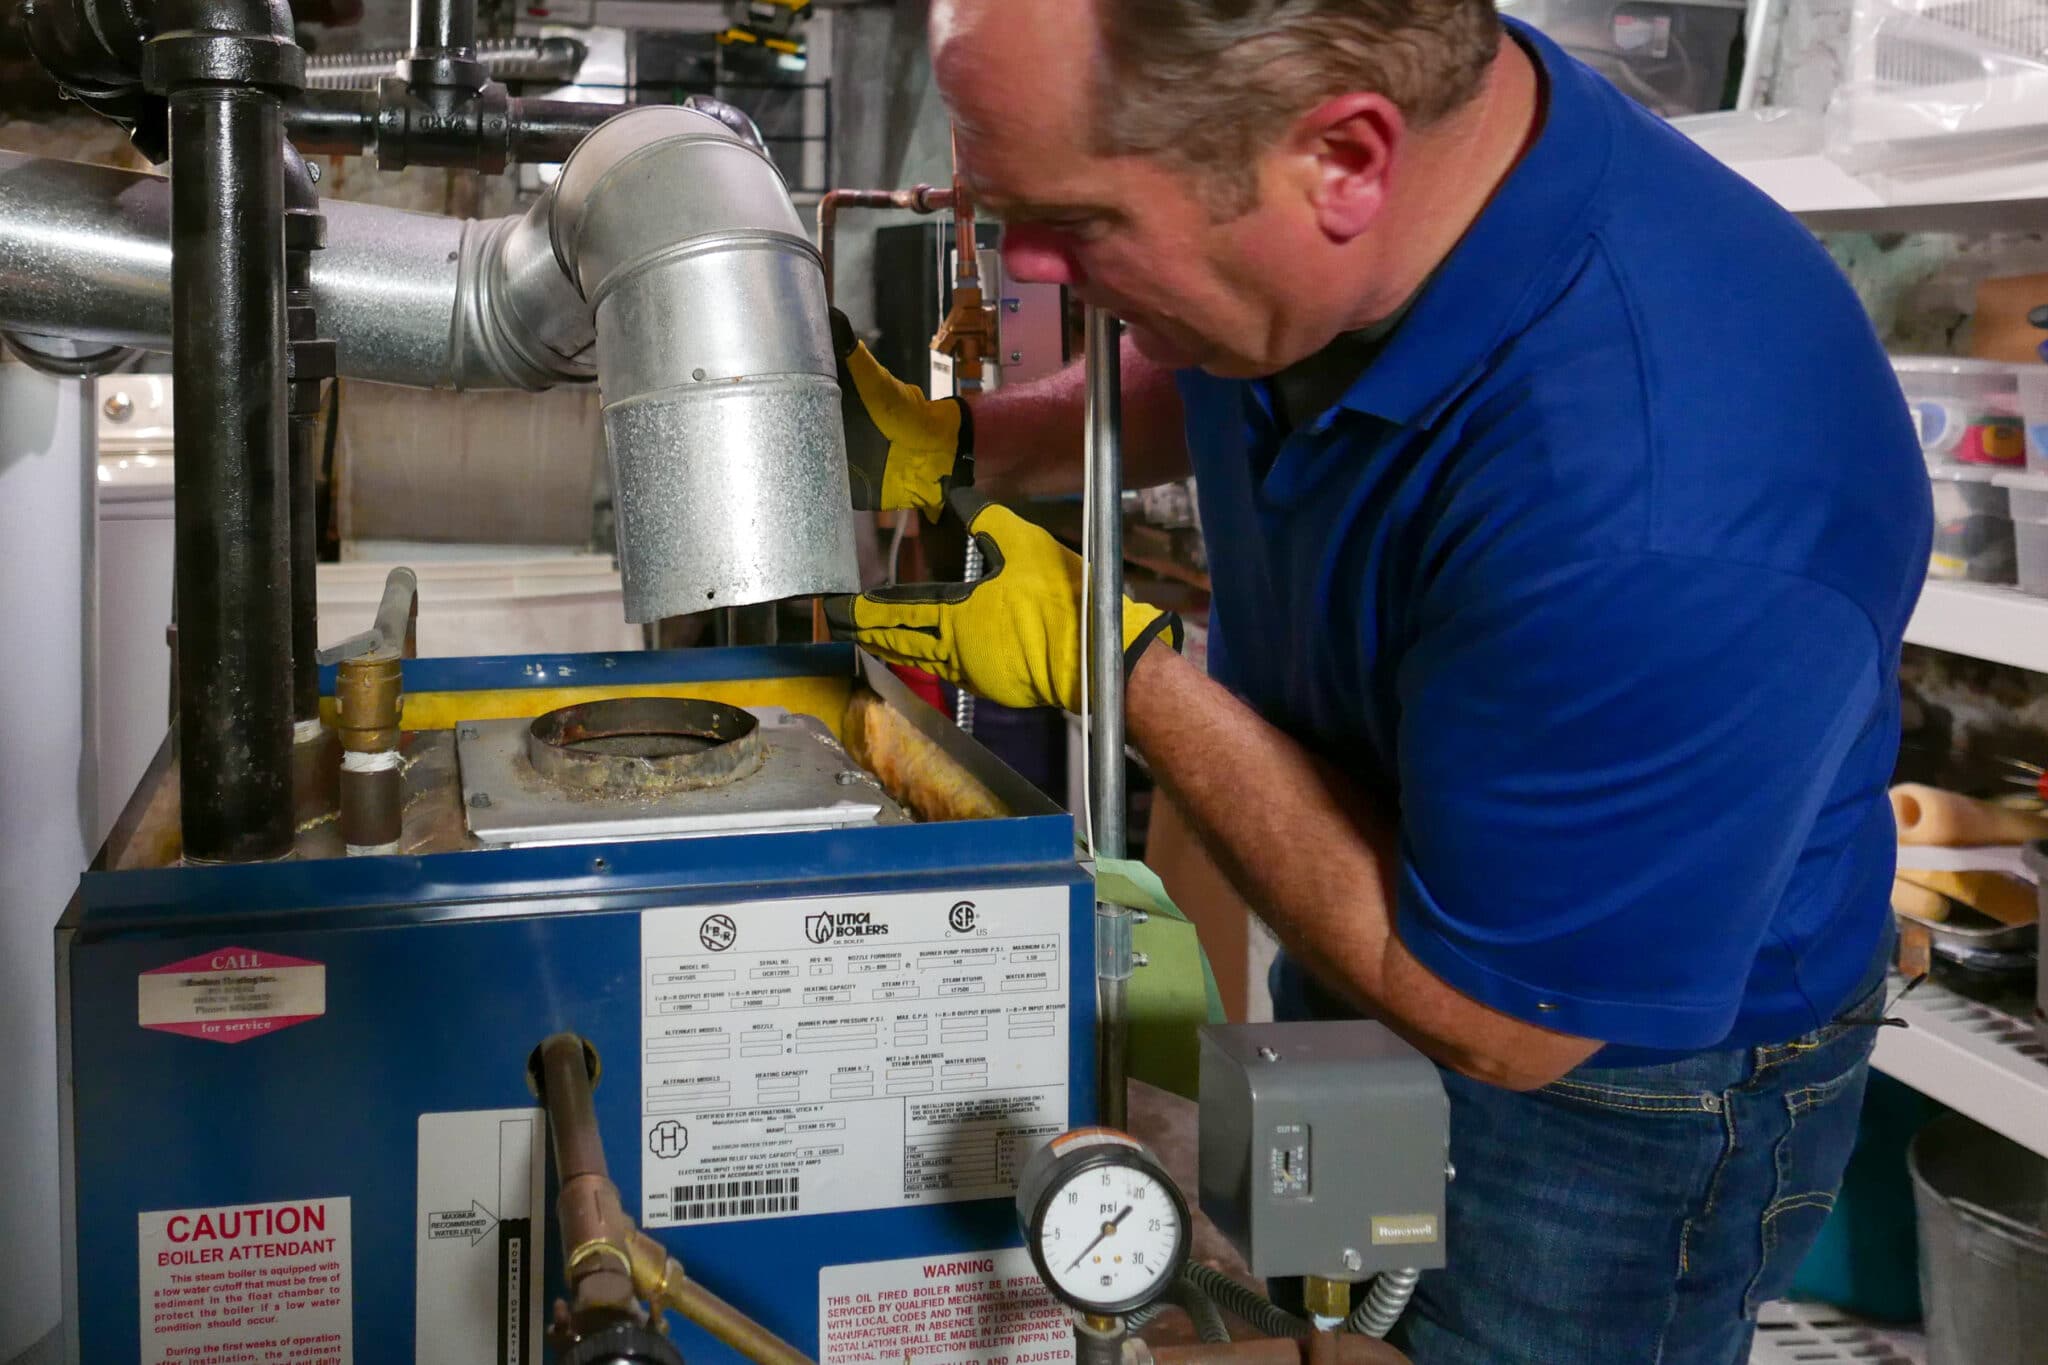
point(721, 406)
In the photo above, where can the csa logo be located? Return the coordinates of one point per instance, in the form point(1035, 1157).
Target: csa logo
point(717, 933)
point(818, 927)
point(961, 917)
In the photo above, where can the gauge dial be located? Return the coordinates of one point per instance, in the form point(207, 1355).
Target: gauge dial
point(1107, 1228)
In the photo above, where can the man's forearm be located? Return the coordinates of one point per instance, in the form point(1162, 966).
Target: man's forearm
point(1027, 438)
point(1303, 849)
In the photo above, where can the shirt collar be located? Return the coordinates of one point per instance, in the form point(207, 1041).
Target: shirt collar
point(1493, 278)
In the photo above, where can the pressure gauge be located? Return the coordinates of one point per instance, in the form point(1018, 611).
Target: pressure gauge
point(1107, 1227)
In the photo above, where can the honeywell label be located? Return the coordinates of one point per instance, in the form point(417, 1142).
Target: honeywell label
point(248, 1284)
point(986, 1308)
point(838, 1054)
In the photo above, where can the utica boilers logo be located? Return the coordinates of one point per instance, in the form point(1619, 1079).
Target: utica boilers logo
point(828, 925)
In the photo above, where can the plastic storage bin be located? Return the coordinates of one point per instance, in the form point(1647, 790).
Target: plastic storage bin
point(1966, 411)
point(1973, 526)
point(2033, 380)
point(2027, 504)
point(1672, 56)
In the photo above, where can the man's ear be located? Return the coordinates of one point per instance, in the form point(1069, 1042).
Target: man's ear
point(1350, 142)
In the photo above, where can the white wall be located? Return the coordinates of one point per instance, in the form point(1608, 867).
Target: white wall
point(47, 810)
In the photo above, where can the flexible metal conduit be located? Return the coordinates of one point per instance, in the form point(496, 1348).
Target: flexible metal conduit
point(507, 59)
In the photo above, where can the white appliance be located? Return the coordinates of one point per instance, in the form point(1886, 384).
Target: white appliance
point(133, 419)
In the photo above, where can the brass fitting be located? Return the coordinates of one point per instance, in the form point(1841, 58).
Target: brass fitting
point(370, 699)
point(1326, 1299)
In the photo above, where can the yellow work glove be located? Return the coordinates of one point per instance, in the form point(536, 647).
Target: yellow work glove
point(1012, 636)
point(902, 449)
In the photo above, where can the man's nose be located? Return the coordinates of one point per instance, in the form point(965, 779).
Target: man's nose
point(1037, 255)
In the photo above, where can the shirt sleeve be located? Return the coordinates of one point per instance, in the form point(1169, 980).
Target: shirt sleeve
point(1609, 771)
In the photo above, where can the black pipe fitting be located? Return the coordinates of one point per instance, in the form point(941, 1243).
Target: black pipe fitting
point(444, 68)
point(487, 134)
point(621, 1343)
point(244, 43)
point(309, 360)
point(439, 127)
point(224, 67)
point(93, 50)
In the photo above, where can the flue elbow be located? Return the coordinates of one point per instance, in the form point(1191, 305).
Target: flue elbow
point(721, 411)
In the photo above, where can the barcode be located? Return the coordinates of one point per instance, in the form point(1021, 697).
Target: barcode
point(733, 1199)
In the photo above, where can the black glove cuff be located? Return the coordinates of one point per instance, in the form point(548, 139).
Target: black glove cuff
point(1167, 623)
point(963, 457)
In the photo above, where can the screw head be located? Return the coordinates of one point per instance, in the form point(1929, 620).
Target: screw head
point(1352, 1260)
point(313, 171)
point(119, 406)
point(1267, 1054)
point(480, 800)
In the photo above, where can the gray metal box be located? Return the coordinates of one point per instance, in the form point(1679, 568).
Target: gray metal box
point(1324, 1148)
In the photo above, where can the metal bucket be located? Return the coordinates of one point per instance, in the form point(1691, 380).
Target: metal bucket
point(1983, 1205)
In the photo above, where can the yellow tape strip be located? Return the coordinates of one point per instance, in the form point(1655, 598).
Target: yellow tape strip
point(824, 698)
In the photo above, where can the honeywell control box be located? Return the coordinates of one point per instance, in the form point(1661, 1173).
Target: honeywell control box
point(1324, 1148)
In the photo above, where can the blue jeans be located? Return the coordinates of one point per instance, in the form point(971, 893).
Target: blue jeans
point(1638, 1215)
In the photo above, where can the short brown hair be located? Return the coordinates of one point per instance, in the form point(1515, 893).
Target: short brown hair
point(1211, 83)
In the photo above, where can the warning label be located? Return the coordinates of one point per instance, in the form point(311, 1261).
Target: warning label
point(987, 1308)
point(247, 1285)
point(231, 995)
point(834, 1055)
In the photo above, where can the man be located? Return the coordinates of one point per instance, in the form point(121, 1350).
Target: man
point(1564, 521)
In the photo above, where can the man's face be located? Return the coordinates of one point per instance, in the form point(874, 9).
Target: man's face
point(1132, 235)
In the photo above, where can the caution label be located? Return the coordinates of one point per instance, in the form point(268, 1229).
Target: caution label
point(977, 1308)
point(250, 1284)
point(231, 995)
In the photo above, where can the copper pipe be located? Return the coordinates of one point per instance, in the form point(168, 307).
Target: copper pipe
point(610, 1264)
point(1323, 1348)
point(599, 1271)
point(968, 329)
point(917, 199)
point(731, 1326)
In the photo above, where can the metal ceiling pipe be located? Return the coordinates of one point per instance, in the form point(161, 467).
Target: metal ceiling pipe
point(669, 254)
point(409, 298)
point(721, 409)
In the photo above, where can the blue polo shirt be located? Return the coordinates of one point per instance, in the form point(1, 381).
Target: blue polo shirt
point(1597, 576)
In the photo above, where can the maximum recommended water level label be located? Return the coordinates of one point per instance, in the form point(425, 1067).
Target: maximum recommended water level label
point(845, 1053)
